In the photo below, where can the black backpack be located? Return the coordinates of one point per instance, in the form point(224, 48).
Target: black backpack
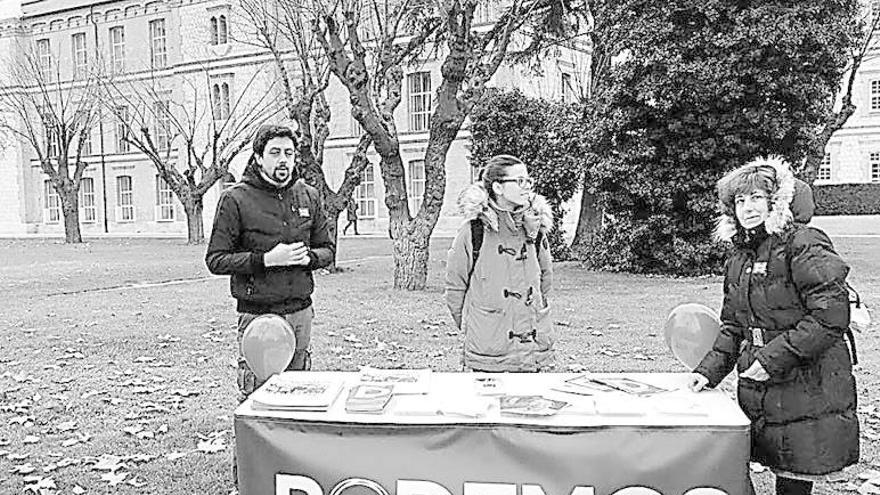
point(477, 243)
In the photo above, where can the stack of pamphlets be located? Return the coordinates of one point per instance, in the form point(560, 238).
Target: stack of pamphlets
point(368, 398)
point(296, 391)
point(529, 405)
point(405, 381)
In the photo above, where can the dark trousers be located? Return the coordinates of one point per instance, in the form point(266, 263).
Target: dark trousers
point(349, 224)
point(788, 486)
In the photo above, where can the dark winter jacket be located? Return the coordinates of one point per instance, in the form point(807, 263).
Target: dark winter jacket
point(785, 285)
point(254, 216)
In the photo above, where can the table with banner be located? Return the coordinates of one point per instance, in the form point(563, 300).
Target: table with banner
point(671, 443)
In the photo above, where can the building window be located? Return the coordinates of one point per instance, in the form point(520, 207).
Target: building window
point(162, 124)
point(824, 172)
point(51, 137)
point(117, 49)
point(567, 89)
point(875, 167)
point(158, 55)
point(88, 213)
point(52, 204)
point(80, 55)
point(220, 100)
point(875, 95)
point(419, 85)
point(219, 30)
point(415, 184)
point(122, 144)
point(87, 143)
point(124, 199)
point(164, 201)
point(44, 58)
point(356, 128)
point(365, 194)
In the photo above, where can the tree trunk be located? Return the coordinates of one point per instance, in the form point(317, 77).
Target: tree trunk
point(70, 210)
point(332, 211)
point(410, 251)
point(195, 232)
point(589, 220)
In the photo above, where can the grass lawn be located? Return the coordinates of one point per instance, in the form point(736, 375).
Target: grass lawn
point(123, 352)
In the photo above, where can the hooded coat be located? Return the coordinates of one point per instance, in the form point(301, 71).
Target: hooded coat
point(500, 303)
point(786, 305)
point(254, 216)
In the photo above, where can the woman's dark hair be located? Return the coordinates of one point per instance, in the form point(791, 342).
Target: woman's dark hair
point(495, 170)
point(754, 176)
point(268, 132)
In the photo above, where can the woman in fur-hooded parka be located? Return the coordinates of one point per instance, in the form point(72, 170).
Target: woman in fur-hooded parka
point(786, 306)
point(500, 304)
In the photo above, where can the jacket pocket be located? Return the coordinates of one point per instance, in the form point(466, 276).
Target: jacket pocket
point(486, 331)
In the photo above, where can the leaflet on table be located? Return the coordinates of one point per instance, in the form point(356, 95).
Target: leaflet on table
point(405, 381)
point(529, 405)
point(488, 385)
point(297, 391)
point(463, 406)
point(589, 385)
point(368, 398)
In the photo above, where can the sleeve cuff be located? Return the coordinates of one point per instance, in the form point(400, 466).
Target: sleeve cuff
point(258, 262)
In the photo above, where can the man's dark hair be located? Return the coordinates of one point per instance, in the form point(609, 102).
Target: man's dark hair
point(268, 132)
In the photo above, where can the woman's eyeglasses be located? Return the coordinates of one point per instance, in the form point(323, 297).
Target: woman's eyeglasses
point(523, 182)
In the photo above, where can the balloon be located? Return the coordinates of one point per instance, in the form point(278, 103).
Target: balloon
point(690, 332)
point(268, 345)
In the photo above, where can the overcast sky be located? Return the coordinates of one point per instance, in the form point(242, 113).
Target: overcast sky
point(9, 8)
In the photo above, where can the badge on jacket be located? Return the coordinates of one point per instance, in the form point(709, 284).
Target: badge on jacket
point(303, 212)
point(759, 268)
point(757, 336)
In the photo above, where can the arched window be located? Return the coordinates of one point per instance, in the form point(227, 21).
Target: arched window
point(222, 32)
point(224, 100)
point(215, 101)
point(214, 31)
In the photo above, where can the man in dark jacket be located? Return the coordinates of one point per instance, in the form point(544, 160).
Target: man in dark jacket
point(269, 233)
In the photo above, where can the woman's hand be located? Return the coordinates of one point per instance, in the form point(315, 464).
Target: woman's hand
point(697, 382)
point(756, 372)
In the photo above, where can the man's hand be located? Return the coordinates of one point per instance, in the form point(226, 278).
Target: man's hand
point(287, 255)
point(697, 382)
point(756, 372)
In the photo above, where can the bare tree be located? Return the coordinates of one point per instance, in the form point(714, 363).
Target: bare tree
point(55, 117)
point(470, 57)
point(866, 48)
point(191, 139)
point(283, 29)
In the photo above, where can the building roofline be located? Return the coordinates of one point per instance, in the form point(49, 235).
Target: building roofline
point(30, 9)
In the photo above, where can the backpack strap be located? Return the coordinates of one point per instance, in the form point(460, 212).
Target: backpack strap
point(476, 244)
point(477, 230)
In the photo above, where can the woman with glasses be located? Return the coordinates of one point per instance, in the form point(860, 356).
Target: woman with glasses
point(783, 321)
point(498, 272)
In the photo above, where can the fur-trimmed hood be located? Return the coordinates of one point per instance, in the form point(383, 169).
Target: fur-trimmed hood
point(473, 202)
point(791, 202)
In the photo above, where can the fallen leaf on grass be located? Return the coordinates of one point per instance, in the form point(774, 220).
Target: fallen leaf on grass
point(78, 490)
point(212, 446)
point(66, 426)
point(144, 359)
point(30, 439)
point(137, 482)
point(17, 457)
point(107, 462)
point(175, 455)
point(26, 468)
point(114, 478)
point(38, 484)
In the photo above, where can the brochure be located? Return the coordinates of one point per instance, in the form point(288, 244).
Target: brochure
point(368, 398)
point(583, 385)
point(289, 391)
point(405, 381)
point(630, 385)
point(529, 405)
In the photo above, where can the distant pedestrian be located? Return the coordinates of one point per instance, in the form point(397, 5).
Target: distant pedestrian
point(499, 271)
point(351, 214)
point(783, 321)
